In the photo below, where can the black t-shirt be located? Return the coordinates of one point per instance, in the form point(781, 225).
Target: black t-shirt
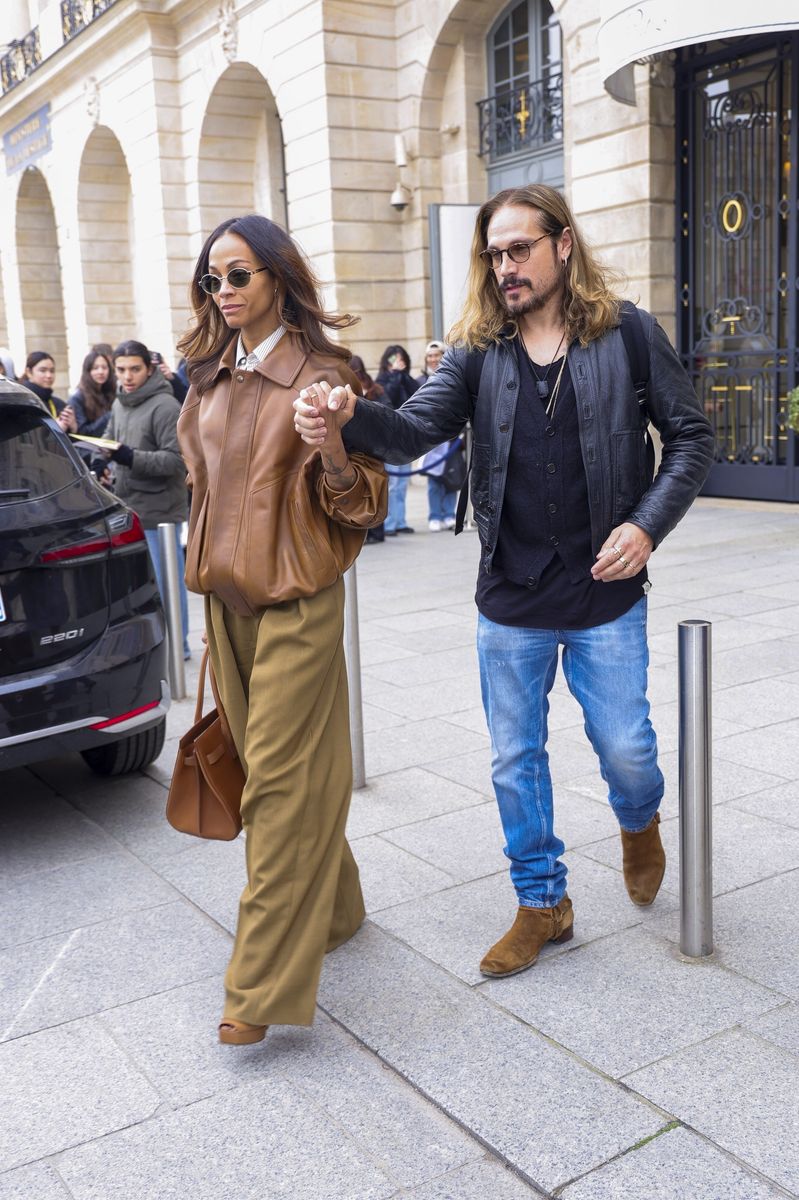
point(541, 572)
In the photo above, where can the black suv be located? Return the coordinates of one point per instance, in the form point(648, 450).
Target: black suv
point(82, 631)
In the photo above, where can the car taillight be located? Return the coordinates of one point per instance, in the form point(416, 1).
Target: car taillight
point(134, 712)
point(76, 550)
point(126, 529)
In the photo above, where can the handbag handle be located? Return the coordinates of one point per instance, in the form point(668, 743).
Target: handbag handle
point(206, 664)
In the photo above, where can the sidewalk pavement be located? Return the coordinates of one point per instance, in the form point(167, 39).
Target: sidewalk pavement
point(614, 1068)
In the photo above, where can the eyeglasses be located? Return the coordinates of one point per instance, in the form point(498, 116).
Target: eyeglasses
point(238, 278)
point(519, 252)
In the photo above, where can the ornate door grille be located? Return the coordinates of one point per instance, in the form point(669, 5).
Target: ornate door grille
point(737, 269)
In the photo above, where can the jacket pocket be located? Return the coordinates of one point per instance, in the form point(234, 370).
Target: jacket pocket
point(480, 479)
point(286, 548)
point(628, 465)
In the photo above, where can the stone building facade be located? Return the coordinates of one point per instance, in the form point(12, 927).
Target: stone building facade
point(131, 127)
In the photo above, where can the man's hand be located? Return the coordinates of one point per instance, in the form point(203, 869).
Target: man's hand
point(624, 552)
point(320, 412)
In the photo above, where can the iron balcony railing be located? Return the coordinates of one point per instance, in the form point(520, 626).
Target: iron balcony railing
point(525, 118)
point(20, 59)
point(78, 14)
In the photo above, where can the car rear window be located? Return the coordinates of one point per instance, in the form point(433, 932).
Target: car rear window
point(33, 462)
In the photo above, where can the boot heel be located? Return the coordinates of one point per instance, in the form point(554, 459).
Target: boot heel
point(566, 936)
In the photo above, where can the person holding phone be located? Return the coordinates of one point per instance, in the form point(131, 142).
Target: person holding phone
point(394, 376)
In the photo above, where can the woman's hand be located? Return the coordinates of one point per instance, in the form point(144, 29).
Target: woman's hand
point(67, 420)
point(624, 552)
point(320, 412)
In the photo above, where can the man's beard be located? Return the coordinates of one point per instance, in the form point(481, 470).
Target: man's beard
point(533, 301)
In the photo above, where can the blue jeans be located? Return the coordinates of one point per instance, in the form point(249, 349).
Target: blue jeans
point(440, 502)
point(155, 555)
point(397, 489)
point(605, 668)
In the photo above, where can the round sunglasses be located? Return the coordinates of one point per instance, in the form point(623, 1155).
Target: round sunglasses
point(238, 278)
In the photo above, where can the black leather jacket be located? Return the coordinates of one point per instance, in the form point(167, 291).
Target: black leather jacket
point(620, 485)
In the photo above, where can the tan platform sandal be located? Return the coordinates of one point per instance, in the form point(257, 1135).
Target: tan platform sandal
point(239, 1033)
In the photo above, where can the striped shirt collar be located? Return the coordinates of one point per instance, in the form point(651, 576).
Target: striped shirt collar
point(248, 362)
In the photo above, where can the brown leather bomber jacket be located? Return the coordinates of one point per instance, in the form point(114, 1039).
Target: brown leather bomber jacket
point(264, 525)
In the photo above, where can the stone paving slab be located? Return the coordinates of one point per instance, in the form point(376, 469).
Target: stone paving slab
point(778, 745)
point(45, 832)
point(780, 1027)
point(262, 1139)
point(402, 797)
point(60, 978)
point(418, 743)
point(478, 1181)
point(65, 1086)
point(668, 1002)
point(131, 809)
point(671, 1167)
point(37, 1182)
point(77, 895)
point(406, 1134)
point(780, 804)
point(435, 698)
point(479, 1064)
point(391, 876)
point(211, 875)
point(738, 1090)
point(754, 932)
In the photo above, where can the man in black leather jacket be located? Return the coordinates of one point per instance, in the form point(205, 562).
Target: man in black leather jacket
point(568, 514)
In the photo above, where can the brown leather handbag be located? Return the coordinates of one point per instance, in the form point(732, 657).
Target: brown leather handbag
point(205, 792)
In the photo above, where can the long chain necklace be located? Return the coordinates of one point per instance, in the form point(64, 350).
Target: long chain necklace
point(550, 408)
point(542, 384)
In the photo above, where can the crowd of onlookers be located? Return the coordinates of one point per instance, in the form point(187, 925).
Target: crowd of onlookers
point(393, 386)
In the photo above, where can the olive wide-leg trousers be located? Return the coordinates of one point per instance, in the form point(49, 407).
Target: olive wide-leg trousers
point(283, 683)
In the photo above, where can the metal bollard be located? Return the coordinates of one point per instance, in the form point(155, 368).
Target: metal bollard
point(167, 549)
point(352, 647)
point(696, 825)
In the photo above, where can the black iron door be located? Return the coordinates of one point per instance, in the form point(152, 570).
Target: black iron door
point(737, 267)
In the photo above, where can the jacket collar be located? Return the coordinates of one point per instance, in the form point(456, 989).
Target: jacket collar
point(282, 365)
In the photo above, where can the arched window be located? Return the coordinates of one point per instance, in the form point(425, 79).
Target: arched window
point(521, 121)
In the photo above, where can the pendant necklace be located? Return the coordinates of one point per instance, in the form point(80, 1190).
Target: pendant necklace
point(550, 408)
point(542, 384)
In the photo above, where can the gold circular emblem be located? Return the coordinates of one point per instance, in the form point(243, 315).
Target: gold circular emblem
point(732, 215)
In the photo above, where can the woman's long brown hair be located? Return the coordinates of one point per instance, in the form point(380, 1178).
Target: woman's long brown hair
point(590, 305)
point(300, 306)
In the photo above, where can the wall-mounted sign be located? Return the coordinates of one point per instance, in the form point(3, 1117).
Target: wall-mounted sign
point(28, 140)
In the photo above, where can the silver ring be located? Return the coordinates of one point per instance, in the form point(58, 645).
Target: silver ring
point(617, 550)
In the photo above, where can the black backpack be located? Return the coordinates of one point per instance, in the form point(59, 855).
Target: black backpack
point(632, 332)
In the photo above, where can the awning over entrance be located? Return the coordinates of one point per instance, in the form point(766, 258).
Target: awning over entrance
point(629, 32)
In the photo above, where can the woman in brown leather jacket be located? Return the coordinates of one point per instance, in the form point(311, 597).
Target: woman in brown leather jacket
point(272, 530)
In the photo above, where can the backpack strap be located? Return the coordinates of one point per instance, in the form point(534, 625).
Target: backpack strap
point(635, 345)
point(472, 374)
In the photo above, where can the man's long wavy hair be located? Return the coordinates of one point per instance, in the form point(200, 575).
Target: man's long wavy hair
point(590, 306)
point(299, 304)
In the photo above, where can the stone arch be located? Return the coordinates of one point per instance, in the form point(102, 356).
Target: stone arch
point(41, 290)
point(105, 224)
point(240, 167)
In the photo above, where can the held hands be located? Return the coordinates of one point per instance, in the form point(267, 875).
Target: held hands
point(624, 552)
point(320, 412)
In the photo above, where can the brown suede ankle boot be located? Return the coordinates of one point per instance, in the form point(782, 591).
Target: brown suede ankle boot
point(644, 861)
point(533, 927)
